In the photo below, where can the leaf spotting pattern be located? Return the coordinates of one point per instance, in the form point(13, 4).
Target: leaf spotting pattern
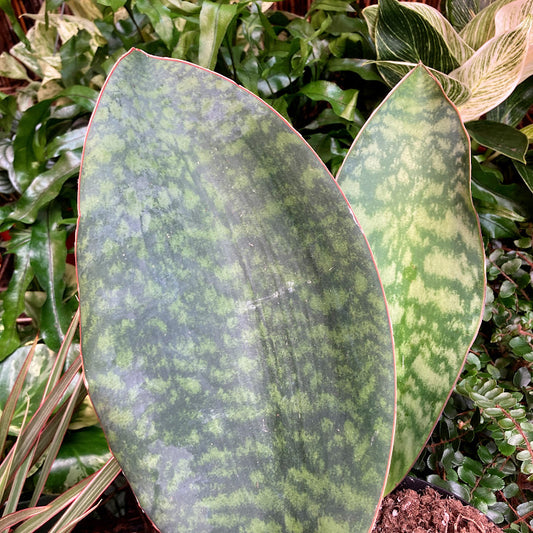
point(407, 177)
point(235, 336)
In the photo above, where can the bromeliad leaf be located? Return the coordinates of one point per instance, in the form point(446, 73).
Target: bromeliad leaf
point(494, 71)
point(234, 330)
point(407, 177)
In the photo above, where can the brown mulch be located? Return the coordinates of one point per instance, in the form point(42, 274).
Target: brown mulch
point(407, 511)
point(402, 511)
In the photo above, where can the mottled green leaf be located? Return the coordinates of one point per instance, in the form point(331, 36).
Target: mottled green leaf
point(82, 453)
point(407, 177)
point(394, 71)
point(403, 34)
point(499, 137)
point(235, 335)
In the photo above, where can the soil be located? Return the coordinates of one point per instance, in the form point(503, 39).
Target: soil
point(407, 511)
point(403, 511)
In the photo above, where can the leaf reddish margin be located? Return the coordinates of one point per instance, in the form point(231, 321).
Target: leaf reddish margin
point(289, 205)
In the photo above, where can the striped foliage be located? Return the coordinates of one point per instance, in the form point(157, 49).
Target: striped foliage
point(478, 67)
point(407, 178)
point(235, 336)
point(494, 71)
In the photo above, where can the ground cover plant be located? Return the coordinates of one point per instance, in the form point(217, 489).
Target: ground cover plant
point(301, 67)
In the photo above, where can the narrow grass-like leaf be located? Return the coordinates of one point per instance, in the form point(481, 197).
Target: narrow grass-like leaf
point(17, 472)
point(234, 331)
point(34, 428)
point(53, 449)
point(99, 482)
point(494, 71)
point(408, 178)
point(86, 498)
point(82, 453)
point(215, 19)
point(14, 396)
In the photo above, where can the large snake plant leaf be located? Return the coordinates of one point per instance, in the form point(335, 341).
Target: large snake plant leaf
point(408, 178)
point(235, 337)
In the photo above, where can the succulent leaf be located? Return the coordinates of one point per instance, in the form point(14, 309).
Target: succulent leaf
point(235, 337)
point(407, 177)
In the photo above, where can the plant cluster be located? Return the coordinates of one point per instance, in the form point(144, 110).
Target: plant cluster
point(325, 73)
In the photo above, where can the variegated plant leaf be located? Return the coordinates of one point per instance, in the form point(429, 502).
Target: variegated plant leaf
point(394, 71)
point(482, 27)
point(457, 47)
point(508, 18)
point(402, 34)
point(461, 12)
point(494, 71)
point(408, 178)
point(235, 336)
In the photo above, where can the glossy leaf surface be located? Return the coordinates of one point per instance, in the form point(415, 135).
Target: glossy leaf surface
point(494, 71)
point(407, 178)
point(234, 331)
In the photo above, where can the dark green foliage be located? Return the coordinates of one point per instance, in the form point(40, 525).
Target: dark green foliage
point(234, 329)
point(481, 447)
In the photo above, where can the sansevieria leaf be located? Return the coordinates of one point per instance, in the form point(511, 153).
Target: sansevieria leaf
point(407, 177)
point(235, 336)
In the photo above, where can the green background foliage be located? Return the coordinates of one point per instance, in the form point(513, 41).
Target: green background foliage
point(316, 72)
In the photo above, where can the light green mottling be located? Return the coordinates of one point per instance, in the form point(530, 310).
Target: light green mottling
point(231, 309)
point(407, 178)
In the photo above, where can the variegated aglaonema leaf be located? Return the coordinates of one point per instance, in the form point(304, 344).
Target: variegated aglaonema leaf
point(407, 178)
point(235, 337)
